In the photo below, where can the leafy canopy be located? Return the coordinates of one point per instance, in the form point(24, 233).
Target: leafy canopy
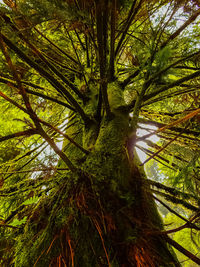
point(66, 63)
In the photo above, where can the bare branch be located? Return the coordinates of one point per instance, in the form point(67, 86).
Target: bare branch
point(182, 250)
point(56, 84)
point(27, 133)
point(66, 136)
point(161, 149)
point(177, 32)
point(177, 214)
point(171, 85)
point(133, 11)
point(58, 48)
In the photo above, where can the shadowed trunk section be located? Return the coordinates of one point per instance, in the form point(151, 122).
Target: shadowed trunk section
point(117, 214)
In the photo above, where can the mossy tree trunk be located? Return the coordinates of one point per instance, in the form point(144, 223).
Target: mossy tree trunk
point(97, 208)
point(116, 222)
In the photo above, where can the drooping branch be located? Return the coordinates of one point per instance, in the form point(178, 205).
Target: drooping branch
point(172, 124)
point(29, 161)
point(57, 47)
point(162, 148)
point(161, 125)
point(55, 83)
point(171, 231)
point(13, 84)
point(173, 94)
point(171, 190)
point(13, 102)
point(130, 78)
point(171, 85)
point(176, 200)
point(78, 58)
point(155, 146)
point(160, 72)
point(182, 250)
point(66, 136)
point(50, 98)
point(30, 111)
point(59, 152)
point(158, 158)
point(176, 213)
point(55, 70)
point(9, 226)
point(177, 32)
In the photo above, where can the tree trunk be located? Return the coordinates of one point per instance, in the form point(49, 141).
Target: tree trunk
point(120, 207)
point(118, 223)
point(105, 216)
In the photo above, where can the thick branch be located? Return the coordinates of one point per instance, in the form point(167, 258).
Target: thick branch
point(101, 22)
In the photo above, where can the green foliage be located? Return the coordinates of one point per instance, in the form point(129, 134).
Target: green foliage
point(17, 222)
point(184, 238)
point(72, 191)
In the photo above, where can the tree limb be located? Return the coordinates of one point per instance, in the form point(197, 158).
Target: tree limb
point(57, 85)
point(182, 250)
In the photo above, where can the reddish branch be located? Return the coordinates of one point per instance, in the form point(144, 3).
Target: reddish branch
point(174, 123)
point(56, 84)
point(161, 149)
point(31, 112)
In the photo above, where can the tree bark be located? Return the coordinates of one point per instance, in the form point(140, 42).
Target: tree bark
point(103, 215)
point(118, 212)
